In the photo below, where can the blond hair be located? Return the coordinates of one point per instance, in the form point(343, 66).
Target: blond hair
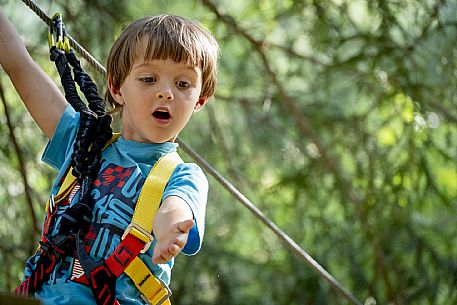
point(167, 37)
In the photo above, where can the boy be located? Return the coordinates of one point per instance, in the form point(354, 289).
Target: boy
point(161, 70)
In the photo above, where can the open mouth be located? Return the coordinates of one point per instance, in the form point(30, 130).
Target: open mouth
point(161, 114)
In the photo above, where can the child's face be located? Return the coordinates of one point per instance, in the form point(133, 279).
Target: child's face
point(158, 99)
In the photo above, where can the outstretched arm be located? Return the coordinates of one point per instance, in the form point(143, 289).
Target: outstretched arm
point(171, 227)
point(40, 95)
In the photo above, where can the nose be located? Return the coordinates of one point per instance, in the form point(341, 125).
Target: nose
point(165, 93)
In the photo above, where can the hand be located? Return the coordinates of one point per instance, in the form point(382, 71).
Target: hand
point(170, 243)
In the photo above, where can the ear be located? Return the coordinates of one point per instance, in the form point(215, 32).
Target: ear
point(115, 93)
point(201, 103)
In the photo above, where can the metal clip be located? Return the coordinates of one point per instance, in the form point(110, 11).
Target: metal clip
point(57, 35)
point(52, 204)
point(163, 299)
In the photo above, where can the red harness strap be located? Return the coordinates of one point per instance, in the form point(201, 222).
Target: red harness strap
point(47, 258)
point(101, 277)
point(44, 267)
point(124, 253)
point(122, 256)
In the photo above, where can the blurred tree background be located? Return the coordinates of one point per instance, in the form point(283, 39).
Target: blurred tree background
point(338, 118)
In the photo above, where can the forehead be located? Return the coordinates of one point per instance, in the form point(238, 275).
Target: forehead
point(147, 48)
point(165, 65)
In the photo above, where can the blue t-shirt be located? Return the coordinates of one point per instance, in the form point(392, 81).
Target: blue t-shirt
point(124, 168)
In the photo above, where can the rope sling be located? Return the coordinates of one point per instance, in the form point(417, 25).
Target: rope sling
point(93, 133)
point(287, 241)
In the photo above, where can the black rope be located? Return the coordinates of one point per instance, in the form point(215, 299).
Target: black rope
point(94, 130)
point(85, 159)
point(103, 131)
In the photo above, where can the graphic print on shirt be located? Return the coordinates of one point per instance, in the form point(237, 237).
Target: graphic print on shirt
point(115, 193)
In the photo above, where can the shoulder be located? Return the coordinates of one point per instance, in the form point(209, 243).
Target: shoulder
point(188, 182)
point(60, 146)
point(189, 172)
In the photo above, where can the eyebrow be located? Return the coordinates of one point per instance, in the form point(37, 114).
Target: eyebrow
point(136, 66)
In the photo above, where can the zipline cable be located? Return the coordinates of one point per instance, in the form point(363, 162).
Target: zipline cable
point(288, 242)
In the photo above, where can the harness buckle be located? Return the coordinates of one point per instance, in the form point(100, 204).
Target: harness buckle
point(140, 233)
point(162, 299)
point(52, 204)
point(50, 249)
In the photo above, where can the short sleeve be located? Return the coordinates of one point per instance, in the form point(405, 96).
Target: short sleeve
point(189, 183)
point(61, 144)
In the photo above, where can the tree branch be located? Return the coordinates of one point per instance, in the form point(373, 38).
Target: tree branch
point(21, 165)
point(216, 130)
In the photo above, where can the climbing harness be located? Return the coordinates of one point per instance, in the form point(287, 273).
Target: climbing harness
point(101, 276)
point(287, 241)
point(93, 135)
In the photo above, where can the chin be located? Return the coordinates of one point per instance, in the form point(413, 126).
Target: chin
point(159, 140)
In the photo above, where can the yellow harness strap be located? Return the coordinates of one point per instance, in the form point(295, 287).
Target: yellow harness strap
point(66, 188)
point(153, 290)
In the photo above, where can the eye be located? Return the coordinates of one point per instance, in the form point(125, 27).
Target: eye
point(148, 80)
point(183, 84)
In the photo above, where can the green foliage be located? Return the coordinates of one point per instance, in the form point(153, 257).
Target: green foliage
point(337, 118)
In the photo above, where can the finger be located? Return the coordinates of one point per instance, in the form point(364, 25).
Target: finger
point(174, 250)
point(156, 260)
point(180, 241)
point(161, 258)
point(165, 254)
point(185, 226)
